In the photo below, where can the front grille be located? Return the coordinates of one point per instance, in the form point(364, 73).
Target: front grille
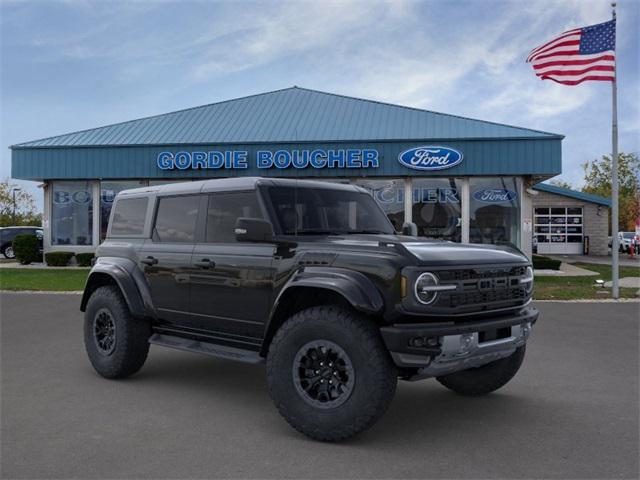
point(491, 296)
point(479, 273)
point(483, 288)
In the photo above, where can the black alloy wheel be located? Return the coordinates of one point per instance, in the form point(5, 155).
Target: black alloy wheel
point(323, 374)
point(104, 332)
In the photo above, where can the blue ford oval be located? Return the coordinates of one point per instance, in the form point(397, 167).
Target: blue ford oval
point(495, 195)
point(430, 157)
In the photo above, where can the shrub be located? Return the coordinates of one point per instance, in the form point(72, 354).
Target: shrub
point(84, 259)
point(25, 246)
point(545, 263)
point(58, 259)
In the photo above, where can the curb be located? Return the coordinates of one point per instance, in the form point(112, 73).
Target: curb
point(42, 292)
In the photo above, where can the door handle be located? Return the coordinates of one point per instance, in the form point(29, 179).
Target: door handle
point(205, 263)
point(149, 260)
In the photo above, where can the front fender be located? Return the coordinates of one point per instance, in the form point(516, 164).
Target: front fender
point(355, 287)
point(129, 279)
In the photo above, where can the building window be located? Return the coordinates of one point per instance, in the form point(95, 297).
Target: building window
point(390, 196)
point(436, 208)
point(494, 210)
point(71, 213)
point(176, 219)
point(108, 192)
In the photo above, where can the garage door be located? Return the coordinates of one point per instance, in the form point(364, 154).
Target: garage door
point(558, 230)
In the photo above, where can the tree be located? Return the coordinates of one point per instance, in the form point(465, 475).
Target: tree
point(25, 207)
point(597, 178)
point(561, 183)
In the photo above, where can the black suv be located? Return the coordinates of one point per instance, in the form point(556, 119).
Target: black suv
point(311, 278)
point(7, 234)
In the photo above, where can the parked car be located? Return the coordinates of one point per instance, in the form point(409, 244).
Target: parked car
point(7, 234)
point(624, 241)
point(311, 279)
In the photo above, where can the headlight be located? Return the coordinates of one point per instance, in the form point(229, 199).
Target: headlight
point(426, 288)
point(527, 280)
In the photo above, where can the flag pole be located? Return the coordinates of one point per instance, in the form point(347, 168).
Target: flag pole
point(615, 292)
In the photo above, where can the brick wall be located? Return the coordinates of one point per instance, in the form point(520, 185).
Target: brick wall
point(595, 226)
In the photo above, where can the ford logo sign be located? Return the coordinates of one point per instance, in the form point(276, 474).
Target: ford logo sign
point(495, 195)
point(430, 157)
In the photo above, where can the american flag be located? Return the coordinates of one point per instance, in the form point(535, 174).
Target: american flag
point(578, 55)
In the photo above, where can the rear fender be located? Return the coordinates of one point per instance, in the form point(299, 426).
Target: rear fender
point(130, 280)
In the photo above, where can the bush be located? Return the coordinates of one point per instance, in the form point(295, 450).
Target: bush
point(84, 259)
point(25, 246)
point(545, 263)
point(58, 259)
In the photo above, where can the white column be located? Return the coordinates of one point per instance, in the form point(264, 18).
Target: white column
point(408, 199)
point(464, 199)
point(526, 217)
point(95, 192)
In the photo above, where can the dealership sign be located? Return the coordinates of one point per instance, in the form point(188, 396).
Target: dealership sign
point(430, 157)
point(495, 195)
point(266, 159)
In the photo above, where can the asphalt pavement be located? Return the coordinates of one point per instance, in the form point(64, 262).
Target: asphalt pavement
point(571, 412)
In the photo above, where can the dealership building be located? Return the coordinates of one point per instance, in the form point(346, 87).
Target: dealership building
point(456, 178)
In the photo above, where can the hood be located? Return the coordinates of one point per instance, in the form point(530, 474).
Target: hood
point(442, 253)
point(436, 252)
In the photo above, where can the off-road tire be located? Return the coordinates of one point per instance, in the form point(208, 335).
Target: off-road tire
point(131, 335)
point(485, 379)
point(374, 372)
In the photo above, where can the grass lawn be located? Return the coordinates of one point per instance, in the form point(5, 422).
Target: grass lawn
point(570, 288)
point(65, 279)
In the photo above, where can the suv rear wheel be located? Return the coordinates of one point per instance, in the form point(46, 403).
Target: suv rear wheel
point(117, 344)
point(329, 373)
point(485, 379)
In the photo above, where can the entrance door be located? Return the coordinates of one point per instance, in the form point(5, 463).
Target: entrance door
point(166, 258)
point(559, 230)
point(231, 282)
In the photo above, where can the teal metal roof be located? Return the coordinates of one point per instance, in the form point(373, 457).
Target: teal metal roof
point(289, 115)
point(566, 192)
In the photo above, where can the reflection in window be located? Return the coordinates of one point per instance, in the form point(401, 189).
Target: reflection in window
point(108, 192)
point(390, 196)
point(436, 208)
point(71, 213)
point(494, 211)
point(176, 219)
point(224, 210)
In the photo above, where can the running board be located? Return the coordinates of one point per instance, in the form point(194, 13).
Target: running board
point(188, 345)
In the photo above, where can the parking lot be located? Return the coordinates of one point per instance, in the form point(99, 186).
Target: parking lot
point(571, 412)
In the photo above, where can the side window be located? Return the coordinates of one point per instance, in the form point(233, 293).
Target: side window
point(224, 210)
point(176, 219)
point(128, 216)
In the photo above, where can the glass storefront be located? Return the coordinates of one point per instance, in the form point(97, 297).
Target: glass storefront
point(494, 210)
point(108, 192)
point(72, 213)
point(437, 208)
point(389, 193)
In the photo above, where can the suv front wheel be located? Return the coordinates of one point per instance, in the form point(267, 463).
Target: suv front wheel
point(329, 373)
point(117, 344)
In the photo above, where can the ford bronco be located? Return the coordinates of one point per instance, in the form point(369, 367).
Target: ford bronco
point(310, 278)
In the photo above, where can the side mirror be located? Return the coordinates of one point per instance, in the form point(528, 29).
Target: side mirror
point(410, 228)
point(253, 230)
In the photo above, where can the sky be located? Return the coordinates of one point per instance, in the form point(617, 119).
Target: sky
point(77, 64)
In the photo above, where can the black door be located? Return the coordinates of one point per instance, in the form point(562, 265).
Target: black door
point(166, 258)
point(231, 282)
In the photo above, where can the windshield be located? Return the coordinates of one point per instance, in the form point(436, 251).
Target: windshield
point(323, 211)
point(628, 234)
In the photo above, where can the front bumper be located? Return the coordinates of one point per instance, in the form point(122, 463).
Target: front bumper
point(441, 348)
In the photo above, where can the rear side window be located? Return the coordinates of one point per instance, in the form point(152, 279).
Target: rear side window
point(128, 216)
point(176, 219)
point(224, 210)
